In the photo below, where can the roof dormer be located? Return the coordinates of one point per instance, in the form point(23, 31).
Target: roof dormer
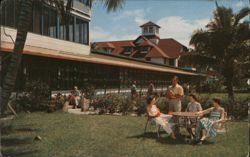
point(150, 29)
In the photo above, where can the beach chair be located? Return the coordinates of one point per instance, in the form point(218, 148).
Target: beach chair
point(151, 121)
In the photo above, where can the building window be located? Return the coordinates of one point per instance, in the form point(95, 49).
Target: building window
point(172, 62)
point(70, 27)
point(37, 19)
point(157, 30)
point(8, 13)
point(81, 31)
point(45, 21)
point(109, 50)
point(150, 29)
point(143, 49)
point(86, 2)
point(53, 23)
point(62, 30)
point(85, 33)
point(145, 30)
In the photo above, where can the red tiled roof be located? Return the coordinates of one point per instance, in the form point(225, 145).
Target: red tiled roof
point(150, 23)
point(156, 52)
point(106, 45)
point(118, 45)
point(167, 48)
point(171, 47)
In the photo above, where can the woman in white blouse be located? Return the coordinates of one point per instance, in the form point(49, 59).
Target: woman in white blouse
point(166, 121)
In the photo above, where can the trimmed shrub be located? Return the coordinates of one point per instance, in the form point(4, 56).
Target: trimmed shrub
point(36, 97)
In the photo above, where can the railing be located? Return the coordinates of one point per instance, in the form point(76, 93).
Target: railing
point(99, 92)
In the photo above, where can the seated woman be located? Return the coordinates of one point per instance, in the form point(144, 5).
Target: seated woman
point(207, 125)
point(160, 118)
point(193, 106)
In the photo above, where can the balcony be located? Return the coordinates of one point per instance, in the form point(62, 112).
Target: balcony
point(81, 7)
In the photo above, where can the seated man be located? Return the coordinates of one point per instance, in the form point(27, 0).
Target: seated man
point(161, 119)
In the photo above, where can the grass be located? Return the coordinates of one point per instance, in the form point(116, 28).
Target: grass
point(67, 135)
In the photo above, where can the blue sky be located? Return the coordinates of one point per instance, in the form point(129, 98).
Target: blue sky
point(178, 19)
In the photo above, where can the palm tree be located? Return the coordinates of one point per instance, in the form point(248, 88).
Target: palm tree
point(223, 46)
point(25, 13)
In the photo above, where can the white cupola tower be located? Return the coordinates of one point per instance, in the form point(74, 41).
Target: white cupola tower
point(150, 29)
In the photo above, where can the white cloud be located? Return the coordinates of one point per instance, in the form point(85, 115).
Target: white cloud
point(175, 27)
point(99, 34)
point(179, 28)
point(138, 15)
point(240, 4)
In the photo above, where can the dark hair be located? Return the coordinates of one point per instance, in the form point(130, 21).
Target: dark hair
point(217, 100)
point(150, 98)
point(194, 96)
point(176, 77)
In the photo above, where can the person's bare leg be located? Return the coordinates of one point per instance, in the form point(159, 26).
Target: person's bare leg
point(173, 136)
point(190, 131)
point(204, 135)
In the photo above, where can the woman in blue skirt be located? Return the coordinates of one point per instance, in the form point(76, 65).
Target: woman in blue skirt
point(207, 126)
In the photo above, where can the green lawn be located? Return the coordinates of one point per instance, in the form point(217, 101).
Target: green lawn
point(67, 135)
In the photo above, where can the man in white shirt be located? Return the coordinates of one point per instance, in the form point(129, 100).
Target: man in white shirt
point(175, 94)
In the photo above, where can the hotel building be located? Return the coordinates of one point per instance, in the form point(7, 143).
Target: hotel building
point(62, 57)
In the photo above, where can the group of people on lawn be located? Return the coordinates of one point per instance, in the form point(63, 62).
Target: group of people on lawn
point(205, 126)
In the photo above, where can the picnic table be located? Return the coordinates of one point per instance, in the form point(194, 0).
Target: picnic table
point(185, 119)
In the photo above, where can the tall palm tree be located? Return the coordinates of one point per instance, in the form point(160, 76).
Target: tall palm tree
point(25, 13)
point(223, 46)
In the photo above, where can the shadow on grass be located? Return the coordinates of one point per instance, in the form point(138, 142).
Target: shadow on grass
point(166, 139)
point(8, 129)
point(27, 129)
point(8, 142)
point(16, 153)
point(13, 146)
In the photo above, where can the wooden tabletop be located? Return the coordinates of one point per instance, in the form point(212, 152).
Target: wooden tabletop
point(184, 114)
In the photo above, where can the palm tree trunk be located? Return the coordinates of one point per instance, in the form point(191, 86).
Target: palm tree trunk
point(230, 92)
point(16, 56)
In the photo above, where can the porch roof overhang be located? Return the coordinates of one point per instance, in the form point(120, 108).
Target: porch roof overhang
point(106, 59)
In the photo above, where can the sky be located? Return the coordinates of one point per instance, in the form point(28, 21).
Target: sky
point(178, 18)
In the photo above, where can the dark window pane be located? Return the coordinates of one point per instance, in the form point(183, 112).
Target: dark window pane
point(81, 31)
point(62, 29)
point(85, 33)
point(3, 15)
point(9, 13)
point(71, 29)
point(77, 30)
point(45, 21)
point(150, 29)
point(53, 23)
point(37, 19)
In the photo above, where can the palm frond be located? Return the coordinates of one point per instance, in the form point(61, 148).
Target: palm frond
point(113, 5)
point(199, 37)
point(240, 15)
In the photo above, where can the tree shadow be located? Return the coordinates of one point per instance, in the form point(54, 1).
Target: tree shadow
point(27, 129)
point(15, 153)
point(8, 129)
point(8, 142)
point(17, 146)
